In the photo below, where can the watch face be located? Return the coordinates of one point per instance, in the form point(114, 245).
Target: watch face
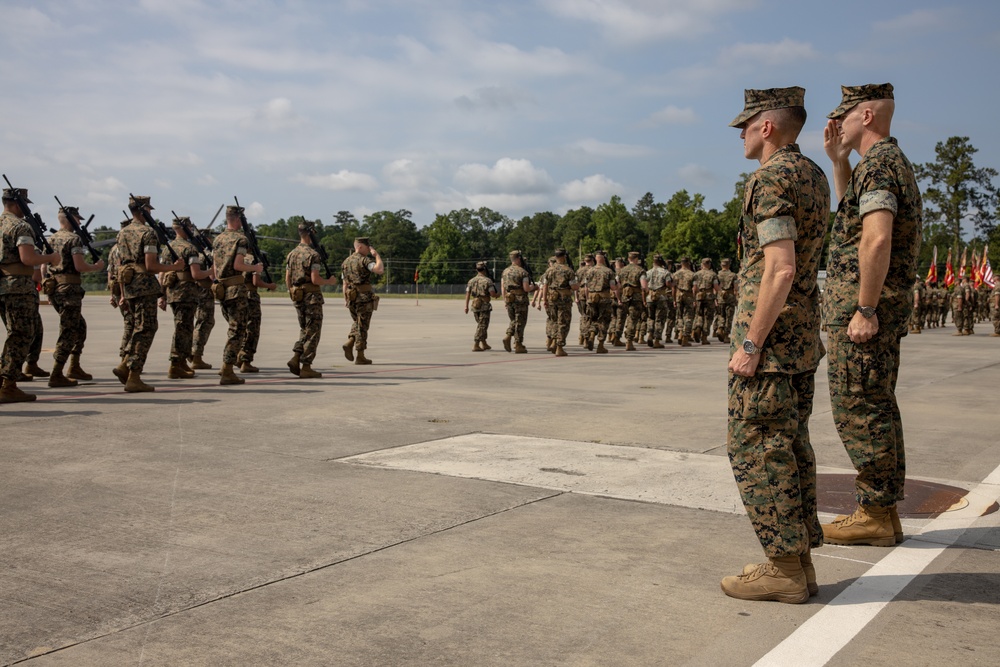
point(749, 347)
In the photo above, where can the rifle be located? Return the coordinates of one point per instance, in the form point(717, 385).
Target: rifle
point(33, 219)
point(252, 241)
point(318, 247)
point(158, 228)
point(200, 242)
point(81, 231)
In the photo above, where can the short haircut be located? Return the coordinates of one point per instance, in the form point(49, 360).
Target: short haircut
point(789, 120)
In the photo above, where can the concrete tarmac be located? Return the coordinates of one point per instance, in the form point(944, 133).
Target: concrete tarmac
point(450, 507)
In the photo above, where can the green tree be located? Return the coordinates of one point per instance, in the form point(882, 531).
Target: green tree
point(446, 246)
point(395, 236)
point(958, 189)
point(574, 231)
point(615, 227)
point(535, 235)
point(648, 215)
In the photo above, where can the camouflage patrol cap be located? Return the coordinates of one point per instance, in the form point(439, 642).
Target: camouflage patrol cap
point(768, 99)
point(480, 266)
point(10, 194)
point(633, 254)
point(853, 95)
point(70, 210)
point(725, 261)
point(589, 257)
point(363, 240)
point(515, 253)
point(706, 260)
point(560, 252)
point(306, 226)
point(181, 222)
point(139, 201)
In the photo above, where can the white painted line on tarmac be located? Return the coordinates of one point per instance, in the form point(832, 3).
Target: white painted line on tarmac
point(828, 631)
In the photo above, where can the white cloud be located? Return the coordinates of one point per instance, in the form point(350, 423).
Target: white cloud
point(590, 189)
point(494, 98)
point(919, 21)
point(508, 203)
point(276, 114)
point(671, 115)
point(507, 176)
point(604, 149)
point(407, 174)
point(162, 183)
point(696, 175)
point(255, 211)
point(207, 180)
point(109, 184)
point(340, 181)
point(766, 54)
point(644, 20)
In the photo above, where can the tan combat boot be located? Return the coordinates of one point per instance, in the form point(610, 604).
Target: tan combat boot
point(348, 350)
point(617, 341)
point(657, 345)
point(121, 371)
point(506, 343)
point(630, 347)
point(868, 525)
point(590, 342)
point(560, 352)
point(897, 526)
point(135, 385)
point(519, 348)
point(293, 363)
point(9, 393)
point(177, 372)
point(228, 376)
point(57, 379)
point(362, 360)
point(247, 367)
point(600, 347)
point(34, 370)
point(199, 364)
point(809, 570)
point(307, 372)
point(483, 345)
point(549, 344)
point(685, 340)
point(779, 580)
point(75, 371)
point(476, 348)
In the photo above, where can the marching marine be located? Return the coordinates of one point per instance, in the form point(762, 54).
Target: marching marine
point(659, 296)
point(515, 285)
point(480, 289)
point(706, 285)
point(559, 285)
point(182, 293)
point(305, 284)
point(726, 303)
point(684, 298)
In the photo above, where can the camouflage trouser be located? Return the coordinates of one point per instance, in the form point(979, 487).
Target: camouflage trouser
point(685, 313)
point(550, 320)
point(704, 315)
point(585, 328)
point(204, 320)
point(642, 324)
point(144, 327)
point(863, 396)
point(724, 317)
point(968, 320)
point(180, 345)
point(361, 313)
point(310, 313)
point(38, 331)
point(18, 314)
point(599, 314)
point(129, 326)
point(657, 311)
point(248, 349)
point(996, 322)
point(958, 317)
point(482, 323)
point(633, 312)
point(235, 311)
point(772, 459)
point(671, 313)
point(67, 301)
point(917, 318)
point(517, 311)
point(562, 316)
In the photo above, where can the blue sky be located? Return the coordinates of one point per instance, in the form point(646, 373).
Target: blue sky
point(308, 107)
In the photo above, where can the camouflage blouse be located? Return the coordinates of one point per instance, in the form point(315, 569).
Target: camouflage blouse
point(14, 232)
point(684, 279)
point(513, 277)
point(134, 242)
point(787, 198)
point(882, 180)
point(65, 244)
point(182, 291)
point(600, 278)
point(560, 276)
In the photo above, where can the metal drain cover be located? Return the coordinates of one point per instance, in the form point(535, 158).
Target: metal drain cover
point(924, 500)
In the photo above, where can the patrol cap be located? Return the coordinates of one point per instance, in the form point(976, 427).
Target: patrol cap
point(71, 210)
point(181, 222)
point(589, 257)
point(515, 253)
point(10, 194)
point(480, 266)
point(854, 95)
point(306, 226)
point(768, 99)
point(706, 260)
point(139, 201)
point(234, 210)
point(560, 252)
point(363, 240)
point(725, 261)
point(633, 254)
point(685, 260)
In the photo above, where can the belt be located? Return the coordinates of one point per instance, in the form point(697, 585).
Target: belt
point(17, 269)
point(364, 287)
point(184, 277)
point(564, 292)
point(309, 288)
point(136, 266)
point(231, 280)
point(67, 278)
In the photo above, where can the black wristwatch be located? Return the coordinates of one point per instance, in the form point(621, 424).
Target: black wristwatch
point(867, 312)
point(749, 347)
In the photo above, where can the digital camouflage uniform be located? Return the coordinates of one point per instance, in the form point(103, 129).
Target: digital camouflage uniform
point(141, 292)
point(863, 375)
point(182, 297)
point(919, 306)
point(600, 280)
point(659, 283)
point(248, 348)
point(18, 298)
point(360, 299)
point(37, 332)
point(67, 299)
point(226, 247)
point(726, 303)
point(560, 280)
point(773, 462)
point(581, 305)
point(995, 308)
point(479, 288)
point(115, 287)
point(204, 317)
point(633, 309)
point(964, 308)
point(705, 281)
point(516, 301)
point(684, 282)
point(302, 261)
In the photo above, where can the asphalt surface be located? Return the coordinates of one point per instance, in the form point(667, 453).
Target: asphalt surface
point(446, 507)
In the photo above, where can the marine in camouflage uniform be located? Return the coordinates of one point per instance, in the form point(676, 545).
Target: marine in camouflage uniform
point(726, 303)
point(775, 350)
point(632, 280)
point(671, 307)
point(231, 252)
point(480, 290)
point(706, 290)
point(550, 313)
point(515, 285)
point(581, 304)
point(919, 307)
point(248, 348)
point(65, 290)
point(182, 293)
point(559, 285)
point(117, 300)
point(866, 319)
point(963, 303)
point(204, 316)
point(305, 284)
point(361, 301)
point(995, 309)
point(660, 293)
point(600, 292)
point(139, 254)
point(18, 298)
point(684, 300)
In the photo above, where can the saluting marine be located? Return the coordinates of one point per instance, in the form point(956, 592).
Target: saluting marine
point(182, 292)
point(361, 300)
point(231, 251)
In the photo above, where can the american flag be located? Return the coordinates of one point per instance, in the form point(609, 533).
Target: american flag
point(987, 271)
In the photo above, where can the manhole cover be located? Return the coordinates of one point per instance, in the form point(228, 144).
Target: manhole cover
point(924, 500)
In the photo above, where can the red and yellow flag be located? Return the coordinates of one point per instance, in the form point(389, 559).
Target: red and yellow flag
point(962, 263)
point(977, 281)
point(932, 272)
point(949, 271)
